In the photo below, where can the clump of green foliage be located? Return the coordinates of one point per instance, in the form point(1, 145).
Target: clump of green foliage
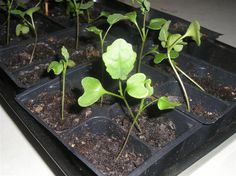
point(61, 68)
point(27, 24)
point(119, 60)
point(174, 43)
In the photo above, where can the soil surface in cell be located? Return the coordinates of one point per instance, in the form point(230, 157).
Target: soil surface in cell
point(198, 109)
point(101, 150)
point(156, 130)
point(43, 27)
point(31, 76)
point(220, 90)
point(47, 107)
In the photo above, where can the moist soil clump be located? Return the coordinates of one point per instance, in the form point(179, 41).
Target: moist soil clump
point(102, 151)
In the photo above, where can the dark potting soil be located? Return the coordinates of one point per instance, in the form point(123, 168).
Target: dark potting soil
point(43, 27)
point(220, 90)
point(211, 86)
point(47, 106)
point(198, 109)
point(102, 151)
point(49, 50)
point(19, 58)
point(156, 131)
point(29, 77)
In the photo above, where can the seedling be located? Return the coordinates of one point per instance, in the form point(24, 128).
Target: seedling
point(154, 24)
point(174, 44)
point(77, 8)
point(61, 68)
point(119, 60)
point(27, 24)
point(112, 19)
point(8, 7)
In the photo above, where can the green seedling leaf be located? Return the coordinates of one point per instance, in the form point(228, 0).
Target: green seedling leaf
point(71, 63)
point(104, 14)
point(85, 6)
point(157, 23)
point(193, 31)
point(163, 35)
point(159, 57)
point(95, 30)
point(132, 16)
point(173, 41)
point(164, 103)
point(65, 53)
point(119, 59)
point(22, 29)
point(18, 12)
point(145, 5)
point(138, 86)
point(32, 10)
point(114, 18)
point(93, 90)
point(56, 67)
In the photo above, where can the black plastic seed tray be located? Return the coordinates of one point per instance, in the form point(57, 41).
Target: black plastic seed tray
point(186, 129)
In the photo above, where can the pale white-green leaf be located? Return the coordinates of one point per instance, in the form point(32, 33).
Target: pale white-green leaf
point(114, 18)
point(119, 59)
point(32, 10)
point(56, 67)
point(138, 86)
point(173, 41)
point(65, 53)
point(156, 23)
point(164, 103)
point(193, 31)
point(95, 30)
point(132, 16)
point(71, 63)
point(163, 35)
point(93, 90)
point(22, 29)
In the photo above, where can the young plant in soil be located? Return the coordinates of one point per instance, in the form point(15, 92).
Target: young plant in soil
point(8, 7)
point(27, 24)
point(119, 60)
point(174, 43)
point(77, 8)
point(143, 29)
point(61, 68)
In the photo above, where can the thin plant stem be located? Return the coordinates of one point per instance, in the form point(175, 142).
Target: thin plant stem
point(180, 81)
point(9, 20)
point(35, 40)
point(128, 106)
point(143, 35)
point(194, 82)
point(77, 32)
point(130, 129)
point(63, 90)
